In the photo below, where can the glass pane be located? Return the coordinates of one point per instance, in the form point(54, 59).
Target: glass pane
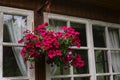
point(114, 37)
point(99, 36)
point(103, 78)
point(81, 78)
point(59, 70)
point(61, 79)
point(101, 61)
point(56, 24)
point(115, 56)
point(10, 65)
point(116, 77)
point(14, 25)
point(80, 27)
point(84, 56)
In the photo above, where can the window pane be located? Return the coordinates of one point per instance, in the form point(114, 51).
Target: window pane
point(80, 27)
point(56, 24)
point(61, 79)
point(114, 38)
point(59, 70)
point(14, 25)
point(10, 65)
point(81, 78)
point(101, 61)
point(103, 78)
point(115, 56)
point(116, 77)
point(99, 36)
point(84, 56)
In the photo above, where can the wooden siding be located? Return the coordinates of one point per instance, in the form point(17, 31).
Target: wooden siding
point(86, 10)
point(104, 3)
point(79, 8)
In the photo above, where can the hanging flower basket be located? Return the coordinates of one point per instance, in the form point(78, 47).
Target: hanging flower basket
point(55, 46)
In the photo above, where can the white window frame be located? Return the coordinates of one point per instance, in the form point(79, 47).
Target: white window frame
point(30, 20)
point(90, 47)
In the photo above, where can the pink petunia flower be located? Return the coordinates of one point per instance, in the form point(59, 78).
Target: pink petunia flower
point(51, 54)
point(77, 62)
point(20, 41)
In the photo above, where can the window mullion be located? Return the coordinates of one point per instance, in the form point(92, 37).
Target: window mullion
point(108, 53)
point(12, 44)
point(68, 23)
point(71, 68)
point(1, 40)
point(119, 35)
point(91, 58)
point(48, 74)
point(30, 26)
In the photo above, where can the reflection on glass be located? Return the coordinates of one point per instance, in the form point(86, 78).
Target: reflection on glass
point(84, 56)
point(80, 27)
point(14, 25)
point(56, 24)
point(114, 37)
point(81, 78)
point(115, 56)
point(103, 78)
point(101, 61)
point(61, 79)
point(116, 77)
point(59, 70)
point(99, 36)
point(10, 68)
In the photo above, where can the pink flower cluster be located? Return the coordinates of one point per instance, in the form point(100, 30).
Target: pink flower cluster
point(55, 46)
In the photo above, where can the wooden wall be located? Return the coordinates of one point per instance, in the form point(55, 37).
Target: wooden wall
point(71, 8)
point(86, 10)
point(79, 9)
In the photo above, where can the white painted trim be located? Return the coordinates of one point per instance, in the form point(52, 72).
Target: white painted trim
point(108, 53)
point(67, 76)
point(16, 11)
point(48, 77)
point(64, 17)
point(14, 78)
point(83, 48)
point(1, 48)
point(91, 54)
point(12, 44)
point(114, 49)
